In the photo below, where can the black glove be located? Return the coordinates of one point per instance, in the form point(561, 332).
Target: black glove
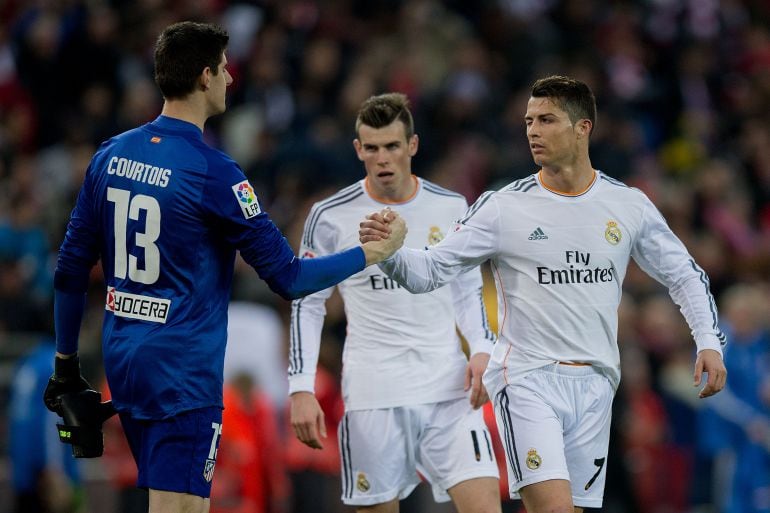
point(66, 379)
point(83, 415)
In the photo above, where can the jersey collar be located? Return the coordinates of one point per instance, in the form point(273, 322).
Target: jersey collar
point(385, 201)
point(176, 125)
point(567, 194)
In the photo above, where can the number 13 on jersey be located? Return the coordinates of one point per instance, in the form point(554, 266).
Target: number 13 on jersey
point(128, 208)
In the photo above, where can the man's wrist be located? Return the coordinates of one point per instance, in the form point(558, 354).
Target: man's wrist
point(708, 341)
point(68, 367)
point(371, 255)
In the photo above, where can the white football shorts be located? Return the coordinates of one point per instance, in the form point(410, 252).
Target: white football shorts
point(555, 424)
point(383, 450)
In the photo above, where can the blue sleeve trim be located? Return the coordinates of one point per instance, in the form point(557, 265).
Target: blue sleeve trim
point(68, 312)
point(308, 275)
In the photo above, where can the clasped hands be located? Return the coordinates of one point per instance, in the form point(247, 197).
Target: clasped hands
point(382, 234)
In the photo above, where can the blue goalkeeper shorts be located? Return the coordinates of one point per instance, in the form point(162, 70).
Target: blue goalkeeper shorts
point(177, 454)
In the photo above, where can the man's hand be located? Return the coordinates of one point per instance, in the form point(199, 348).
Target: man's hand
point(375, 226)
point(377, 248)
point(473, 373)
point(307, 419)
point(66, 379)
point(710, 362)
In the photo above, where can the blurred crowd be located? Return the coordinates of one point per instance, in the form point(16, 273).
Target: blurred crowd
point(683, 90)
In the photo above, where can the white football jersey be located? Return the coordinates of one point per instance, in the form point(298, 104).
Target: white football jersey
point(400, 348)
point(559, 262)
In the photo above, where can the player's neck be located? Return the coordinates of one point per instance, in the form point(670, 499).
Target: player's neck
point(568, 180)
point(392, 195)
point(186, 110)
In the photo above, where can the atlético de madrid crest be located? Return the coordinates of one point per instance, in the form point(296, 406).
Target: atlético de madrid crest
point(208, 470)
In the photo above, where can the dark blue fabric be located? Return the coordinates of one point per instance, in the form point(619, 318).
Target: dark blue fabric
point(166, 213)
point(68, 308)
point(176, 454)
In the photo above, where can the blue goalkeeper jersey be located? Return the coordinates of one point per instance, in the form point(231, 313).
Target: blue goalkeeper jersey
point(165, 213)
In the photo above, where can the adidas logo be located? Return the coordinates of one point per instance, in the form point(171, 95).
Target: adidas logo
point(538, 234)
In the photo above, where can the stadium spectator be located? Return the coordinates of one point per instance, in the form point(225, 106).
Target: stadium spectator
point(45, 475)
point(737, 423)
point(251, 471)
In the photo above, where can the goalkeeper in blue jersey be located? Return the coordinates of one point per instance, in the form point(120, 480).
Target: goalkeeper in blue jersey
point(166, 213)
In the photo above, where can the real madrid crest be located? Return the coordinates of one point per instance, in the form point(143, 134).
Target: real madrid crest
point(434, 236)
point(533, 460)
point(613, 233)
point(362, 483)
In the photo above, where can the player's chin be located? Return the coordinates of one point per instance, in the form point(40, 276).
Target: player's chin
point(218, 108)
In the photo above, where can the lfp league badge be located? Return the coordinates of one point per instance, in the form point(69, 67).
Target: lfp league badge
point(247, 200)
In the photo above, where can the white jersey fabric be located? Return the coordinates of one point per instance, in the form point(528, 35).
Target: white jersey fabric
point(559, 263)
point(443, 443)
point(401, 348)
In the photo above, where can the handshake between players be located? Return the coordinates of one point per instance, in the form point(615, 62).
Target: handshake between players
point(385, 224)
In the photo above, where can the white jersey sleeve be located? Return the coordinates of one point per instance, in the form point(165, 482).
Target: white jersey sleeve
point(472, 241)
point(661, 254)
point(308, 313)
point(470, 312)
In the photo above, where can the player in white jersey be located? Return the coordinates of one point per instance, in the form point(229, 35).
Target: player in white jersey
point(559, 242)
point(411, 396)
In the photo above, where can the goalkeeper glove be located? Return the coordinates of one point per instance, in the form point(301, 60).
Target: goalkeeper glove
point(66, 379)
point(83, 415)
